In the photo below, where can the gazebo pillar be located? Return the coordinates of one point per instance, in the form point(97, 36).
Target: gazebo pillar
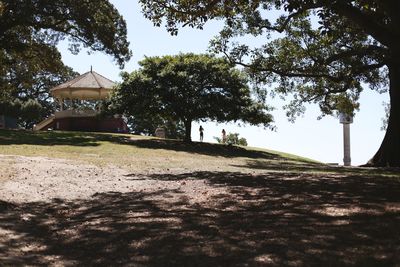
point(61, 102)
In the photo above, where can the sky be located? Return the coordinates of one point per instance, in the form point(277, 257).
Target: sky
point(321, 140)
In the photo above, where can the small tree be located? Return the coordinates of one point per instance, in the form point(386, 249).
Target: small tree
point(31, 111)
point(232, 139)
point(27, 112)
point(187, 88)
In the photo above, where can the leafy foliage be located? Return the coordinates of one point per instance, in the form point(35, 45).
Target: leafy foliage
point(232, 139)
point(26, 113)
point(189, 87)
point(31, 24)
point(29, 76)
point(325, 65)
point(385, 119)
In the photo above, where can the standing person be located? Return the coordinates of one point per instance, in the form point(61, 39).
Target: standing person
point(201, 130)
point(223, 136)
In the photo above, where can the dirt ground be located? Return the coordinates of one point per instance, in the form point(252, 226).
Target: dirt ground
point(36, 179)
point(56, 212)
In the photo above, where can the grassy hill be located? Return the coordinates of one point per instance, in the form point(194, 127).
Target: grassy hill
point(134, 151)
point(140, 153)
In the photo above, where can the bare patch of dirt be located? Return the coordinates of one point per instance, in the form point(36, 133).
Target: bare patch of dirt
point(30, 179)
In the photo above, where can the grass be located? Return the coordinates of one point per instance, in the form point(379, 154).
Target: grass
point(140, 154)
point(133, 151)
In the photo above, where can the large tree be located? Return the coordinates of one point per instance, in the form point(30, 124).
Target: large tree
point(30, 61)
point(188, 87)
point(326, 51)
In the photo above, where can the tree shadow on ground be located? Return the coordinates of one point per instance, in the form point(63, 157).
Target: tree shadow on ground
point(50, 138)
point(280, 219)
point(228, 151)
point(315, 167)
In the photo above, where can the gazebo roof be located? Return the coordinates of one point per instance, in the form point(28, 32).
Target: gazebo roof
point(89, 85)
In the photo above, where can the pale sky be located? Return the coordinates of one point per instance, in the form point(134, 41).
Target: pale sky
point(320, 140)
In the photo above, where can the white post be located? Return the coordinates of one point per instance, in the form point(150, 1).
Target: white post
point(346, 144)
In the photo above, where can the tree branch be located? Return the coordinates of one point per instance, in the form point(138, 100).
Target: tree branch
point(369, 50)
point(366, 22)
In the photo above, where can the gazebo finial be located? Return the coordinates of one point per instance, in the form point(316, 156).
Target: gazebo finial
point(91, 69)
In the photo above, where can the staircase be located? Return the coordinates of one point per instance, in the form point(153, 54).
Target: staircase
point(43, 124)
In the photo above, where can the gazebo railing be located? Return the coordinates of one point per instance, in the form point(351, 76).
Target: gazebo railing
point(75, 113)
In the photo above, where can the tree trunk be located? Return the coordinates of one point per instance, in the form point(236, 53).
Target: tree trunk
point(388, 154)
point(188, 130)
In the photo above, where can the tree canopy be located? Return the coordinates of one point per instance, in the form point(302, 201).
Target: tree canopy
point(186, 88)
point(325, 52)
point(32, 24)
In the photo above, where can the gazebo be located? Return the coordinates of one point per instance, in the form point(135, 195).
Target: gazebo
point(89, 86)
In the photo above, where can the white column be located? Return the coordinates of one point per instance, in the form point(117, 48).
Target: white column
point(346, 144)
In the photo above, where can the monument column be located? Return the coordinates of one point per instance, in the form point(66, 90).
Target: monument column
point(346, 144)
point(346, 120)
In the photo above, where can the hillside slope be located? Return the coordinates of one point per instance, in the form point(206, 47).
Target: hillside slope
point(138, 153)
